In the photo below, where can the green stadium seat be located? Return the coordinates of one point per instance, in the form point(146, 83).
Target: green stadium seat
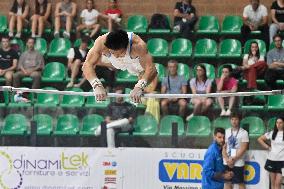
point(19, 42)
point(223, 122)
point(47, 100)
point(166, 125)
point(59, 47)
point(184, 70)
point(6, 96)
point(145, 125)
point(137, 24)
point(230, 48)
point(208, 25)
point(256, 107)
point(15, 124)
point(158, 47)
point(72, 101)
point(198, 126)
point(3, 23)
point(256, 126)
point(161, 71)
point(205, 48)
point(125, 77)
point(210, 70)
point(276, 102)
point(78, 42)
point(181, 48)
point(90, 124)
point(219, 72)
point(44, 124)
point(232, 25)
point(54, 72)
point(271, 124)
point(41, 45)
point(92, 103)
point(261, 45)
point(67, 125)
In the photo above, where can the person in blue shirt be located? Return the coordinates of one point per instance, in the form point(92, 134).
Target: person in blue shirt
point(213, 174)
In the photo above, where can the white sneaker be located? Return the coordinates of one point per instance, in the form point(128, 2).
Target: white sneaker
point(189, 117)
point(177, 28)
point(66, 34)
point(11, 34)
point(56, 34)
point(33, 35)
point(18, 35)
point(70, 84)
point(223, 113)
point(228, 112)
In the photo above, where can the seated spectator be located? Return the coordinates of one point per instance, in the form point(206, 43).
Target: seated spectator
point(120, 116)
point(226, 84)
point(31, 63)
point(41, 17)
point(173, 84)
point(8, 60)
point(65, 11)
point(253, 66)
point(18, 16)
point(200, 85)
point(152, 104)
point(76, 57)
point(255, 18)
point(277, 16)
point(89, 19)
point(114, 14)
point(184, 17)
point(275, 62)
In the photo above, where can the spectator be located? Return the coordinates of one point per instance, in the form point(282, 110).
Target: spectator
point(275, 159)
point(213, 174)
point(226, 84)
point(184, 17)
point(120, 116)
point(275, 62)
point(152, 104)
point(173, 84)
point(114, 14)
point(18, 15)
point(65, 11)
point(277, 16)
point(41, 17)
point(255, 18)
point(8, 61)
point(253, 66)
point(76, 57)
point(236, 145)
point(89, 19)
point(31, 63)
point(200, 85)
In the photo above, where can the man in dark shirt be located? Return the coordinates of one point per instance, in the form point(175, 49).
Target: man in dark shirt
point(8, 60)
point(185, 17)
point(119, 117)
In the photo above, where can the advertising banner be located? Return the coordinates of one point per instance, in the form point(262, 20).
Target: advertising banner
point(121, 168)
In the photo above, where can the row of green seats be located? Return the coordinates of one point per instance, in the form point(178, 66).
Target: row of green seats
point(145, 125)
point(231, 25)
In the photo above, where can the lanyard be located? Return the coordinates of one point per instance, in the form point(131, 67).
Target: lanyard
point(236, 134)
point(185, 8)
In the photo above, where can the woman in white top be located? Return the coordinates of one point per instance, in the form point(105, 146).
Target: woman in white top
point(89, 19)
point(18, 16)
point(275, 159)
point(200, 85)
point(253, 65)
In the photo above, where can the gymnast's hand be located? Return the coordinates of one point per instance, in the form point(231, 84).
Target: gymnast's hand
point(136, 94)
point(100, 93)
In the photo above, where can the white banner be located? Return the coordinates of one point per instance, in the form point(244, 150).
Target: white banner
point(121, 168)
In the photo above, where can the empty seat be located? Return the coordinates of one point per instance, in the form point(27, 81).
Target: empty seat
point(254, 125)
point(276, 102)
point(41, 45)
point(198, 126)
point(15, 124)
point(54, 72)
point(67, 125)
point(232, 25)
point(47, 100)
point(223, 122)
point(161, 71)
point(44, 124)
point(59, 47)
point(157, 47)
point(145, 125)
point(123, 76)
point(205, 48)
point(184, 70)
point(230, 48)
point(90, 124)
point(208, 25)
point(3, 23)
point(72, 101)
point(166, 125)
point(137, 24)
point(181, 48)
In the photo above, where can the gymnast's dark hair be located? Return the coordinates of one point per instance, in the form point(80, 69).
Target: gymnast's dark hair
point(116, 40)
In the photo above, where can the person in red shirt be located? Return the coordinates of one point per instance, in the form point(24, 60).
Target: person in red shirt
point(114, 14)
point(226, 84)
